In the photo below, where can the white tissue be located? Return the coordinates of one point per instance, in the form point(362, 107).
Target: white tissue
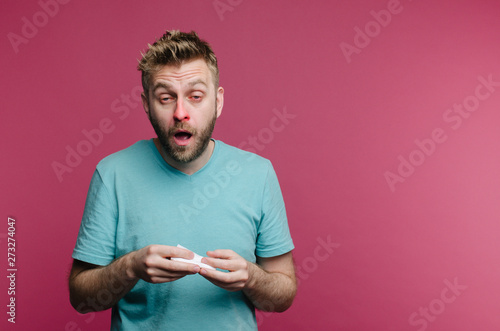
point(196, 260)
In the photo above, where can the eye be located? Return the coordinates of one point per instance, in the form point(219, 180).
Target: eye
point(196, 97)
point(166, 99)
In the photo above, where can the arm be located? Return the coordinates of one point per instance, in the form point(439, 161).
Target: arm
point(96, 288)
point(270, 284)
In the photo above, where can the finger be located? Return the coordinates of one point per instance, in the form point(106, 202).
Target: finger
point(220, 263)
point(164, 279)
point(214, 275)
point(179, 266)
point(176, 267)
point(222, 254)
point(168, 275)
point(221, 276)
point(172, 251)
point(228, 280)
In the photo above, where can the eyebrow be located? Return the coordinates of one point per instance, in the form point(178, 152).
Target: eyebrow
point(196, 82)
point(160, 85)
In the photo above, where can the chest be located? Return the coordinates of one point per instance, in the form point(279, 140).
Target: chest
point(201, 215)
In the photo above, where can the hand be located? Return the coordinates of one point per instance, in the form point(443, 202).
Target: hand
point(152, 264)
point(239, 269)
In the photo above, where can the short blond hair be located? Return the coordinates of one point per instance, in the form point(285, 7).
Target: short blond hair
point(173, 48)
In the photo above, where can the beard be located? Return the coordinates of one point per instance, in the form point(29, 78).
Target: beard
point(184, 154)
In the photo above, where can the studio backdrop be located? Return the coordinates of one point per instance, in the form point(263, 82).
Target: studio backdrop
point(381, 119)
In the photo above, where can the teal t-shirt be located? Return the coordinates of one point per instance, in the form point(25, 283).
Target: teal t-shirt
point(136, 199)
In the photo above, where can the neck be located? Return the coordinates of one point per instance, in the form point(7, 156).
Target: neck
point(188, 168)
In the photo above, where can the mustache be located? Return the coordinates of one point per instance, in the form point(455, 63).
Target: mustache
point(181, 126)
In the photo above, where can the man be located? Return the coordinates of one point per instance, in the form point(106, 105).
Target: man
point(183, 188)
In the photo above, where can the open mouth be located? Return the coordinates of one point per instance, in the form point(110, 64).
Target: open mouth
point(182, 137)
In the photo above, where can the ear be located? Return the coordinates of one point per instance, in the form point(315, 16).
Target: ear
point(220, 100)
point(145, 103)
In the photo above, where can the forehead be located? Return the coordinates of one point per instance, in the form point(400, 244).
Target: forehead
point(187, 71)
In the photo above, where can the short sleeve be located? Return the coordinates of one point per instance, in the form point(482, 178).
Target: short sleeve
point(273, 234)
point(96, 238)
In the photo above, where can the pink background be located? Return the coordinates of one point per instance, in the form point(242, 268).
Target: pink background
point(395, 249)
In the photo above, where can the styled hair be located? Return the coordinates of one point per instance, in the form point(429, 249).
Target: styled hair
point(173, 48)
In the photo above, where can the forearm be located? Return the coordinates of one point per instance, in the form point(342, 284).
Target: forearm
point(101, 288)
point(270, 291)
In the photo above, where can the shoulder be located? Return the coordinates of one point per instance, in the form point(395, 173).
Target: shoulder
point(250, 163)
point(127, 158)
point(233, 153)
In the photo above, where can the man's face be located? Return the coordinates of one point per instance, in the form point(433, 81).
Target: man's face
point(183, 105)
